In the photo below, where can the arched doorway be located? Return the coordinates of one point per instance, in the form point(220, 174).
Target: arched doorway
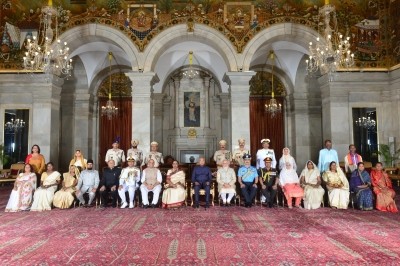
point(119, 126)
point(262, 124)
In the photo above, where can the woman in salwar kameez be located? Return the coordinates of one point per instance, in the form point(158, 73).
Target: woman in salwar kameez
point(43, 197)
point(360, 183)
point(338, 187)
point(64, 198)
point(21, 195)
point(383, 188)
point(290, 184)
point(310, 180)
point(174, 195)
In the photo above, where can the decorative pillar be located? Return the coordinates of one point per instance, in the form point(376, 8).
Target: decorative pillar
point(142, 90)
point(336, 116)
point(46, 119)
point(239, 89)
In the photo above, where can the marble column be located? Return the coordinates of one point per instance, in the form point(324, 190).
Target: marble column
point(142, 90)
point(239, 89)
point(46, 119)
point(336, 116)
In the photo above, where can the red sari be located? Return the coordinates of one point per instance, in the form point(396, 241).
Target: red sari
point(384, 191)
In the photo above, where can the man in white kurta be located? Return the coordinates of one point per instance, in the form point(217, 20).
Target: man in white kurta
point(326, 156)
point(265, 152)
point(154, 155)
point(115, 154)
point(135, 153)
point(222, 154)
point(151, 181)
point(128, 180)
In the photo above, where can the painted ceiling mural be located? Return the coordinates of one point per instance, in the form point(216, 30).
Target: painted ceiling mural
point(373, 25)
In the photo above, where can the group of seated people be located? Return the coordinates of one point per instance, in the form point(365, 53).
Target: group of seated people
point(82, 179)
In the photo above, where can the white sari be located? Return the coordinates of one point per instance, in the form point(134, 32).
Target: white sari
point(338, 188)
point(43, 197)
point(313, 196)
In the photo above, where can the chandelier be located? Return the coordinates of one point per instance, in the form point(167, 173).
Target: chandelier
point(43, 56)
point(333, 52)
point(191, 72)
point(14, 125)
point(272, 106)
point(109, 110)
point(366, 122)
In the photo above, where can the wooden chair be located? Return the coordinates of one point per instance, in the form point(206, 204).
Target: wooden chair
point(10, 175)
point(202, 192)
point(394, 174)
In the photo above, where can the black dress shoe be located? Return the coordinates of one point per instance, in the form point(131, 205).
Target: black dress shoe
point(196, 206)
point(207, 206)
point(153, 206)
point(145, 206)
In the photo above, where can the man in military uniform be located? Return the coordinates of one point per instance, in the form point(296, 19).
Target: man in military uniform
point(154, 155)
point(265, 152)
point(135, 153)
point(248, 179)
point(240, 152)
point(151, 181)
point(222, 154)
point(88, 182)
point(128, 181)
point(115, 154)
point(269, 179)
point(109, 184)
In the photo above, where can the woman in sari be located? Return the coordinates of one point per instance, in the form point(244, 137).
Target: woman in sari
point(338, 187)
point(360, 183)
point(382, 186)
point(310, 180)
point(79, 161)
point(21, 195)
point(175, 194)
point(64, 198)
point(290, 184)
point(36, 160)
point(43, 197)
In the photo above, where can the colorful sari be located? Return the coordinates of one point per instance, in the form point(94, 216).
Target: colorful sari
point(174, 197)
point(382, 186)
point(43, 197)
point(363, 195)
point(21, 195)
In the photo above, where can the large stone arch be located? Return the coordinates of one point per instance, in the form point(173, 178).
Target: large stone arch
point(77, 36)
point(296, 33)
point(179, 33)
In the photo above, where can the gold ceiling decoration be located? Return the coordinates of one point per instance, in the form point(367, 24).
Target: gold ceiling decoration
point(121, 86)
point(374, 25)
point(261, 85)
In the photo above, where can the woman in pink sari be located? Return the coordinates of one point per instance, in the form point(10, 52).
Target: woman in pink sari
point(382, 186)
point(290, 184)
point(21, 195)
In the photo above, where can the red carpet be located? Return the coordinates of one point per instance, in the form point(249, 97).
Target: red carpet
point(219, 236)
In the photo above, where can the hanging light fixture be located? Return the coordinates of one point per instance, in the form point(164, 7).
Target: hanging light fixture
point(190, 73)
point(14, 125)
point(334, 51)
point(109, 110)
point(272, 106)
point(366, 122)
point(43, 56)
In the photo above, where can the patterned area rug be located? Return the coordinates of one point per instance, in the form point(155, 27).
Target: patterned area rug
point(218, 236)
